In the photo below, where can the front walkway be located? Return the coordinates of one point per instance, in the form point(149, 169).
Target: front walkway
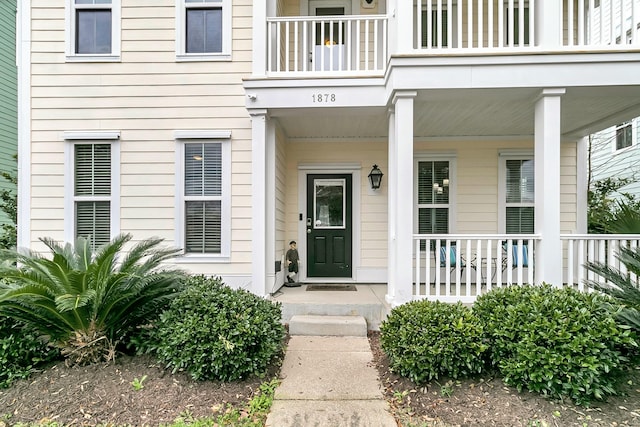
point(329, 381)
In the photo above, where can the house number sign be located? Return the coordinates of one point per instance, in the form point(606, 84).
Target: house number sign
point(324, 98)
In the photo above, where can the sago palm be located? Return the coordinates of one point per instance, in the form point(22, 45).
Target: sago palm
point(84, 302)
point(622, 286)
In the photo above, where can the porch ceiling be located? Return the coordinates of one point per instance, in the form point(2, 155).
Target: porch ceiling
point(468, 113)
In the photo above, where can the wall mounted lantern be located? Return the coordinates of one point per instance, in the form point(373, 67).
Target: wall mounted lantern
point(375, 177)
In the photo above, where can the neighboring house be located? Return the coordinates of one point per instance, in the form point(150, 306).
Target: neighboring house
point(229, 128)
point(8, 95)
point(615, 153)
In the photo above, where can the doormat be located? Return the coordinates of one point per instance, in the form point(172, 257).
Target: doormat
point(331, 288)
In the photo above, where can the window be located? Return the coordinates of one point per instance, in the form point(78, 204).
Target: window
point(624, 135)
point(93, 29)
point(433, 197)
point(205, 29)
point(203, 202)
point(518, 195)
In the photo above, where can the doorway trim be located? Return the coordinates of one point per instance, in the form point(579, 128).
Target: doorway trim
point(355, 170)
point(355, 5)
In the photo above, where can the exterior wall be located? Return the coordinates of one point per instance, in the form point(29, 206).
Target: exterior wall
point(282, 238)
point(8, 94)
point(476, 181)
point(146, 96)
point(606, 162)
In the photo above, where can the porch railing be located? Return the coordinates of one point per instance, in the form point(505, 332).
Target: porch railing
point(461, 267)
point(327, 44)
point(579, 249)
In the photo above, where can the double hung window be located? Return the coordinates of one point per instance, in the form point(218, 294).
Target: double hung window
point(203, 203)
point(205, 29)
point(92, 186)
point(624, 136)
point(433, 197)
point(93, 29)
point(519, 195)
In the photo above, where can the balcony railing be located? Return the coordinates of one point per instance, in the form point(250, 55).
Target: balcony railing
point(327, 44)
point(461, 267)
point(358, 44)
point(511, 24)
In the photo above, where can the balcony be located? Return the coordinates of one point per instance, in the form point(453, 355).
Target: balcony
point(462, 267)
point(327, 45)
point(359, 45)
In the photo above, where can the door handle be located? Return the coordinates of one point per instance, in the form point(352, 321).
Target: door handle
point(308, 231)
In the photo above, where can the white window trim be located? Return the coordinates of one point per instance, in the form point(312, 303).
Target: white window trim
point(502, 184)
point(69, 194)
point(225, 232)
point(453, 174)
point(181, 26)
point(70, 31)
point(634, 136)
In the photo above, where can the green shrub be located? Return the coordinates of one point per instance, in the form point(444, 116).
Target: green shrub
point(214, 332)
point(557, 342)
point(88, 302)
point(20, 351)
point(425, 339)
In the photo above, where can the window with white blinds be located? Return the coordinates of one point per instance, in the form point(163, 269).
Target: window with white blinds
point(203, 197)
point(433, 197)
point(92, 192)
point(519, 197)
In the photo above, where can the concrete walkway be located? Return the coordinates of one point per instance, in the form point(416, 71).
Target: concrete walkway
point(329, 381)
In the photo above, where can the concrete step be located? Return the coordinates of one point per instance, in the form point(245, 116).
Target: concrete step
point(353, 326)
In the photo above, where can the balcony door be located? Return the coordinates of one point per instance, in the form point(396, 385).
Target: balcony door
point(328, 39)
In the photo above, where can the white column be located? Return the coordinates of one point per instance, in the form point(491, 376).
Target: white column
point(270, 206)
point(582, 184)
point(23, 59)
point(402, 271)
point(259, 23)
point(403, 15)
point(259, 188)
point(392, 203)
point(548, 23)
point(548, 254)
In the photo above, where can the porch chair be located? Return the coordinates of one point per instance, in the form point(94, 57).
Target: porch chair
point(452, 259)
point(515, 260)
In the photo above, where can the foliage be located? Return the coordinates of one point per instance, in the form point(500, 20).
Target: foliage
point(86, 303)
point(624, 288)
point(9, 205)
point(214, 332)
point(557, 342)
point(606, 214)
point(425, 339)
point(20, 351)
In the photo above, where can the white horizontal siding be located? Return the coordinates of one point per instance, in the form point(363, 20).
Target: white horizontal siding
point(146, 96)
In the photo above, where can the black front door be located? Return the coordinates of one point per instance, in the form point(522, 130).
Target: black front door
point(329, 225)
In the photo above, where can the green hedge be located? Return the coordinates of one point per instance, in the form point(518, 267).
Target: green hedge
point(214, 332)
point(20, 351)
point(425, 339)
point(554, 341)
